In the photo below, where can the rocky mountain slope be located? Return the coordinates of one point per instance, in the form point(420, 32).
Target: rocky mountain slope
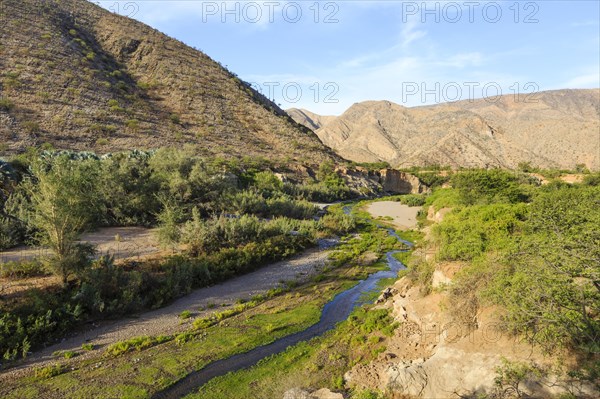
point(79, 77)
point(309, 119)
point(550, 129)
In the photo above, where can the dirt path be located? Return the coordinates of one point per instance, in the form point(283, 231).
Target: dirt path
point(166, 320)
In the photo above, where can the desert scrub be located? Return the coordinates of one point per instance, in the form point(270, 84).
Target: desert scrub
point(186, 314)
point(50, 371)
point(6, 104)
point(137, 343)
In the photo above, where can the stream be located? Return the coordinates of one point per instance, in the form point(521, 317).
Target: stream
point(334, 312)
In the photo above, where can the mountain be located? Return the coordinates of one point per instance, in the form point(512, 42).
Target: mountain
point(309, 119)
point(79, 77)
point(550, 129)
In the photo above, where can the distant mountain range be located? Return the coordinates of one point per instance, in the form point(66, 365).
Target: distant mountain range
point(549, 129)
point(77, 76)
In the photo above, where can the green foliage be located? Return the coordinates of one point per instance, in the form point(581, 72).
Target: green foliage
point(6, 104)
point(511, 376)
point(368, 321)
point(443, 198)
point(549, 284)
point(337, 223)
point(63, 201)
point(470, 232)
point(169, 218)
point(211, 235)
point(22, 269)
point(488, 186)
point(432, 179)
point(268, 205)
point(366, 394)
point(267, 181)
point(50, 371)
point(372, 166)
point(186, 314)
point(137, 343)
point(592, 179)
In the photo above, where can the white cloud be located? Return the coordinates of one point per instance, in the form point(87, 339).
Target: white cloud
point(585, 80)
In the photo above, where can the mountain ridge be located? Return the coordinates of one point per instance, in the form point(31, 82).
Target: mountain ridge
point(558, 128)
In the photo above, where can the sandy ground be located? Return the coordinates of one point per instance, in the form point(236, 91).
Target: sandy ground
point(122, 242)
point(404, 216)
point(166, 320)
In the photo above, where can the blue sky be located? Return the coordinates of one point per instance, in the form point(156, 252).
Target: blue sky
point(326, 55)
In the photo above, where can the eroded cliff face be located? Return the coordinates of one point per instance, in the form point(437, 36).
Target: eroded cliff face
point(397, 182)
point(390, 181)
point(445, 347)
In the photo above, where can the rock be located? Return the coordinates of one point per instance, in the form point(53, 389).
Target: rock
point(386, 294)
point(439, 279)
point(326, 394)
point(394, 181)
point(408, 377)
point(296, 393)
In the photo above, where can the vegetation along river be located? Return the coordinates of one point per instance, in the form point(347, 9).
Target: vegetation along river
point(337, 310)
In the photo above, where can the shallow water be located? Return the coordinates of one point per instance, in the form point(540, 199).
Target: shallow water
point(335, 311)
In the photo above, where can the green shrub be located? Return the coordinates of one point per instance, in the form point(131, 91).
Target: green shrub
point(23, 269)
point(186, 314)
point(87, 347)
point(137, 343)
point(6, 104)
point(488, 186)
point(50, 371)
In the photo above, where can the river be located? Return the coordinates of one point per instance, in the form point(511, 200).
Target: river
point(335, 311)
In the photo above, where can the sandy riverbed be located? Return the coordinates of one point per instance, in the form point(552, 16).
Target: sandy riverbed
point(404, 217)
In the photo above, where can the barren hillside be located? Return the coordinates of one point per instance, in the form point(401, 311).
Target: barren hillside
point(79, 77)
point(551, 129)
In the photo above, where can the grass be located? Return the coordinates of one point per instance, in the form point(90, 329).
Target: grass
point(87, 347)
point(186, 314)
point(161, 361)
point(142, 366)
point(320, 362)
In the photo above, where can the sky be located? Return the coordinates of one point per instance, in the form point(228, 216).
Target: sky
point(326, 55)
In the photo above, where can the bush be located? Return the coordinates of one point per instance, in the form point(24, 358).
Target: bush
point(6, 104)
point(22, 269)
point(137, 343)
point(186, 314)
point(468, 233)
point(337, 223)
point(50, 371)
point(488, 186)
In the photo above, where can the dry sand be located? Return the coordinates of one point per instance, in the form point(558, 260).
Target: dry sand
point(404, 217)
point(121, 242)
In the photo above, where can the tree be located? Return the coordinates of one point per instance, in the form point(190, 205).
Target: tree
point(64, 201)
point(169, 232)
point(551, 288)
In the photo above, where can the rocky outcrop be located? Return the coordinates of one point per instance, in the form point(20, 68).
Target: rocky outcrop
point(397, 182)
point(434, 354)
